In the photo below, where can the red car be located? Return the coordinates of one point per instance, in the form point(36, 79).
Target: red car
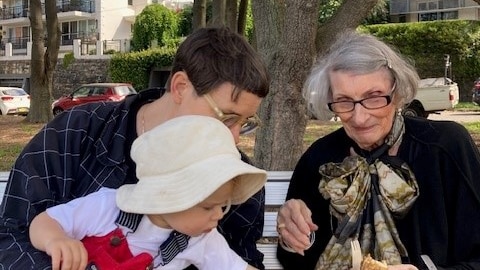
point(91, 93)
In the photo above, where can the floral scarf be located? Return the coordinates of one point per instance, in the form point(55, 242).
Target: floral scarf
point(364, 193)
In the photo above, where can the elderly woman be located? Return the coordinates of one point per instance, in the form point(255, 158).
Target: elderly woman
point(403, 190)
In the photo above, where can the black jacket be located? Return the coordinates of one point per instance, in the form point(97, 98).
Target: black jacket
point(444, 222)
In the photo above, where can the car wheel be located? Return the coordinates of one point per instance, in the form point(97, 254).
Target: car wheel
point(414, 109)
point(57, 111)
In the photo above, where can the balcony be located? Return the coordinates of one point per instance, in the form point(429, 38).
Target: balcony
point(66, 9)
point(82, 6)
point(18, 43)
point(68, 38)
point(75, 10)
point(14, 12)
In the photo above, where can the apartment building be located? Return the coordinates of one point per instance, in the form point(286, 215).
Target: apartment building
point(429, 10)
point(86, 20)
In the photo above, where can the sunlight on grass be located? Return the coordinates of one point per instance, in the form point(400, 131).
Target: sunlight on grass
point(314, 131)
point(468, 106)
point(473, 127)
point(8, 154)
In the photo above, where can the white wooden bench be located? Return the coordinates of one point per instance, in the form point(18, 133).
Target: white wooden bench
point(276, 190)
point(3, 183)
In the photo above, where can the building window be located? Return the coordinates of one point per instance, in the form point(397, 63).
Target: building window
point(422, 6)
point(130, 2)
point(427, 17)
point(434, 16)
point(451, 15)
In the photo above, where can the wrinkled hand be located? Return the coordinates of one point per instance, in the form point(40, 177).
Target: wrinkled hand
point(402, 267)
point(67, 254)
point(294, 225)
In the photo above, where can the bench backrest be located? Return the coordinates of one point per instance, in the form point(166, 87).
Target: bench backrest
point(3, 183)
point(275, 192)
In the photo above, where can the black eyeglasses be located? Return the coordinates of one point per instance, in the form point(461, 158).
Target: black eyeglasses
point(370, 103)
point(248, 125)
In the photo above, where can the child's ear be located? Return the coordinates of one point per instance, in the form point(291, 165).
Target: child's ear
point(179, 86)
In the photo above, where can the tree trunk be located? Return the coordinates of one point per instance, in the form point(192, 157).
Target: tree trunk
point(199, 10)
point(218, 13)
point(288, 36)
point(43, 61)
point(285, 34)
point(242, 16)
point(231, 15)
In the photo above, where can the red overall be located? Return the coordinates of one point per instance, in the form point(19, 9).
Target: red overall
point(111, 252)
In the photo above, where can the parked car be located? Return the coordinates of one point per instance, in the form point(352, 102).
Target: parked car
point(93, 92)
point(14, 100)
point(433, 95)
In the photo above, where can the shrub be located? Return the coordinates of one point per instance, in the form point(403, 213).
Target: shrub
point(426, 43)
point(135, 67)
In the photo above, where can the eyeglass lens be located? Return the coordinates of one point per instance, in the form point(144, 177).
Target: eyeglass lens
point(368, 103)
point(247, 125)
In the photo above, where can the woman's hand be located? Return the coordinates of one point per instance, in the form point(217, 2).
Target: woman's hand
point(67, 254)
point(294, 226)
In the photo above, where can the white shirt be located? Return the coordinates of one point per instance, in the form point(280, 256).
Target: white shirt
point(95, 215)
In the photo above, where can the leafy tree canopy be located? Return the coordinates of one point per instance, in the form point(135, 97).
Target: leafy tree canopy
point(155, 24)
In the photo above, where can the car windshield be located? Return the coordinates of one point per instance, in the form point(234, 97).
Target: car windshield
point(125, 90)
point(14, 92)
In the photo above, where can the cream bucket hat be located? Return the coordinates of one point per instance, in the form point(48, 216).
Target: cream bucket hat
point(182, 162)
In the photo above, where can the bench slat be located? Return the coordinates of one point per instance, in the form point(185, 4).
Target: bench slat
point(270, 259)
point(270, 225)
point(3, 183)
point(275, 193)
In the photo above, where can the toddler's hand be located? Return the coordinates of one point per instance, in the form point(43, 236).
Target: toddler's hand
point(67, 254)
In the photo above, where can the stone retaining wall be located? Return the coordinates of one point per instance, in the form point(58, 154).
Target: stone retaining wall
point(66, 79)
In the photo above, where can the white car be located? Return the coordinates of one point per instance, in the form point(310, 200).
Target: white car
point(14, 100)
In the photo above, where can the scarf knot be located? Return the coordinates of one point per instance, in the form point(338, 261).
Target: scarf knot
point(364, 194)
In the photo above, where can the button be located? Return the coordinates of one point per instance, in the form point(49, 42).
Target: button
point(115, 241)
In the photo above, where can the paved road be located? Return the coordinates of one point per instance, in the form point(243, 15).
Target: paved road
point(462, 117)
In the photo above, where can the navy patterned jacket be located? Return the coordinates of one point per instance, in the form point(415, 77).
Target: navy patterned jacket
point(78, 152)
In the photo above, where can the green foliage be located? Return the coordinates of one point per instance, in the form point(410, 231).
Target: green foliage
point(185, 22)
point(111, 51)
point(135, 67)
point(426, 43)
point(327, 9)
point(155, 22)
point(68, 58)
point(249, 29)
point(380, 13)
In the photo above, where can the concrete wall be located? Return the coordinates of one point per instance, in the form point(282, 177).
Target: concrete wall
point(66, 79)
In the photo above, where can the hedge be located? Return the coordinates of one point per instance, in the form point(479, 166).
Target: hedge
point(426, 44)
point(135, 67)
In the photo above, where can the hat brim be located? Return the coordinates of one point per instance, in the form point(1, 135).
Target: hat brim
point(183, 189)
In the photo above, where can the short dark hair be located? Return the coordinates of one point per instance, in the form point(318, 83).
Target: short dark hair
point(215, 55)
